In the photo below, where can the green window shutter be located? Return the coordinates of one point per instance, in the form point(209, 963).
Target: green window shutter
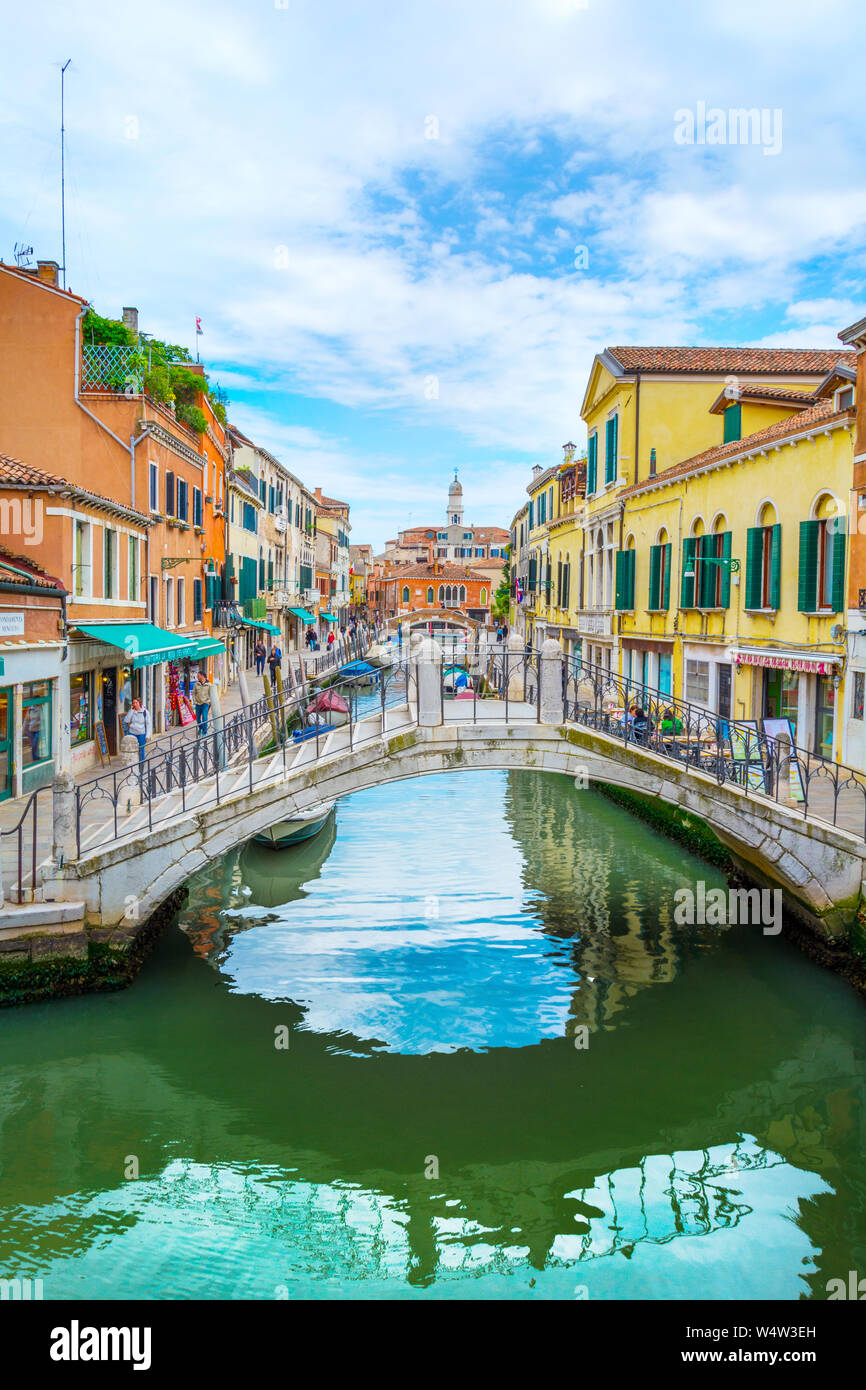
point(610, 442)
point(726, 570)
point(621, 562)
point(837, 560)
point(625, 571)
point(733, 423)
point(705, 573)
point(754, 565)
point(807, 576)
point(591, 463)
point(270, 574)
point(666, 594)
point(687, 582)
point(776, 567)
point(655, 576)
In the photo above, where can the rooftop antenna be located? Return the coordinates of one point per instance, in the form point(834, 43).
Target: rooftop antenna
point(63, 168)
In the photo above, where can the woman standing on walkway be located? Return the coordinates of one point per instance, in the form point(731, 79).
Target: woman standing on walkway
point(201, 701)
point(138, 723)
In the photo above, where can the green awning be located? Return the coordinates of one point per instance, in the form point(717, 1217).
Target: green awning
point(302, 613)
point(142, 644)
point(266, 627)
point(328, 617)
point(209, 646)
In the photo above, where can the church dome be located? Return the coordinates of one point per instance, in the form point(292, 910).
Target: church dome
point(456, 488)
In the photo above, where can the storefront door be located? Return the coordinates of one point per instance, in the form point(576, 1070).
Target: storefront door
point(5, 744)
point(724, 701)
point(781, 694)
point(825, 697)
point(665, 673)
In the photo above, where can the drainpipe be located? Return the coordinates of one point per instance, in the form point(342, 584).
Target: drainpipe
point(636, 426)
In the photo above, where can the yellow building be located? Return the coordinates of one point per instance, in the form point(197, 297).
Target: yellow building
point(729, 582)
point(647, 409)
point(547, 539)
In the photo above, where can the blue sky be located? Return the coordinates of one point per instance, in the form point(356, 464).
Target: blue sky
point(375, 208)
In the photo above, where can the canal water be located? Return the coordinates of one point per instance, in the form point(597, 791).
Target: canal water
point(457, 1046)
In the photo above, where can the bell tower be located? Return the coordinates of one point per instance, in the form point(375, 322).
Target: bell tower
point(455, 502)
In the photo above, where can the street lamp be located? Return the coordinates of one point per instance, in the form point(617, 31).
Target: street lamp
point(733, 566)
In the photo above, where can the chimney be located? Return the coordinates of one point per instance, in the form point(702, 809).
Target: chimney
point(130, 318)
point(48, 272)
point(318, 494)
point(536, 469)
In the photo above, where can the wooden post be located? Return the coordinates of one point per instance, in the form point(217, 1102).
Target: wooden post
point(269, 698)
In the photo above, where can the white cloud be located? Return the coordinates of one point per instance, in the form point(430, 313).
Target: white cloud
point(298, 135)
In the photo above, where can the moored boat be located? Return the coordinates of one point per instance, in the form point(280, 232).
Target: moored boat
point(327, 707)
point(295, 829)
point(359, 672)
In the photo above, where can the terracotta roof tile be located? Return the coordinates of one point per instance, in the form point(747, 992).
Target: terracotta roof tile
point(713, 360)
point(38, 576)
point(444, 572)
point(795, 424)
point(14, 473)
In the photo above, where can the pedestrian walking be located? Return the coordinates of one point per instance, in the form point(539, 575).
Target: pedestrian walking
point(259, 654)
point(275, 660)
point(139, 725)
point(201, 693)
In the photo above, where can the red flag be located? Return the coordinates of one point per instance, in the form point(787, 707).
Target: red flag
point(198, 327)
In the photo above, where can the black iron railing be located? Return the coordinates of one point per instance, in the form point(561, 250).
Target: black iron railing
point(233, 755)
point(19, 848)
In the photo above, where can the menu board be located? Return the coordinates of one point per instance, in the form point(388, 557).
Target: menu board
point(774, 728)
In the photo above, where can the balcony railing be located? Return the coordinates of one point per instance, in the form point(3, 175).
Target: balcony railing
point(595, 622)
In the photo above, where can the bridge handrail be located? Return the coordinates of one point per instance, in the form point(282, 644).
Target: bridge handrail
point(732, 750)
point(230, 746)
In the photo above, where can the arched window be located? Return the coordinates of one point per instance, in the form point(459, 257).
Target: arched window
point(483, 598)
point(405, 593)
point(462, 593)
point(441, 593)
point(430, 595)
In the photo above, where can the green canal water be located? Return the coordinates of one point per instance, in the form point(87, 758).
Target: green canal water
point(455, 1047)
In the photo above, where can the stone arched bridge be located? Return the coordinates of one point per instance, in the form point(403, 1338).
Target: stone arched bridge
point(107, 879)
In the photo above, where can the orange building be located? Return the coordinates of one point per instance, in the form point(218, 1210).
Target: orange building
point(408, 589)
point(59, 415)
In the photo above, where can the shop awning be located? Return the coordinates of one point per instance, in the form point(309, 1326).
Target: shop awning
point(817, 663)
point(142, 644)
point(209, 646)
point(265, 627)
point(328, 617)
point(302, 613)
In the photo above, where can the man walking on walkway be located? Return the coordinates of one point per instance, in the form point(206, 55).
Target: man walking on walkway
point(259, 653)
point(275, 659)
point(201, 692)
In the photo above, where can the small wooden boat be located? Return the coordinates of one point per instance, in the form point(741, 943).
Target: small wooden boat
point(359, 672)
point(312, 731)
point(302, 826)
point(327, 706)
